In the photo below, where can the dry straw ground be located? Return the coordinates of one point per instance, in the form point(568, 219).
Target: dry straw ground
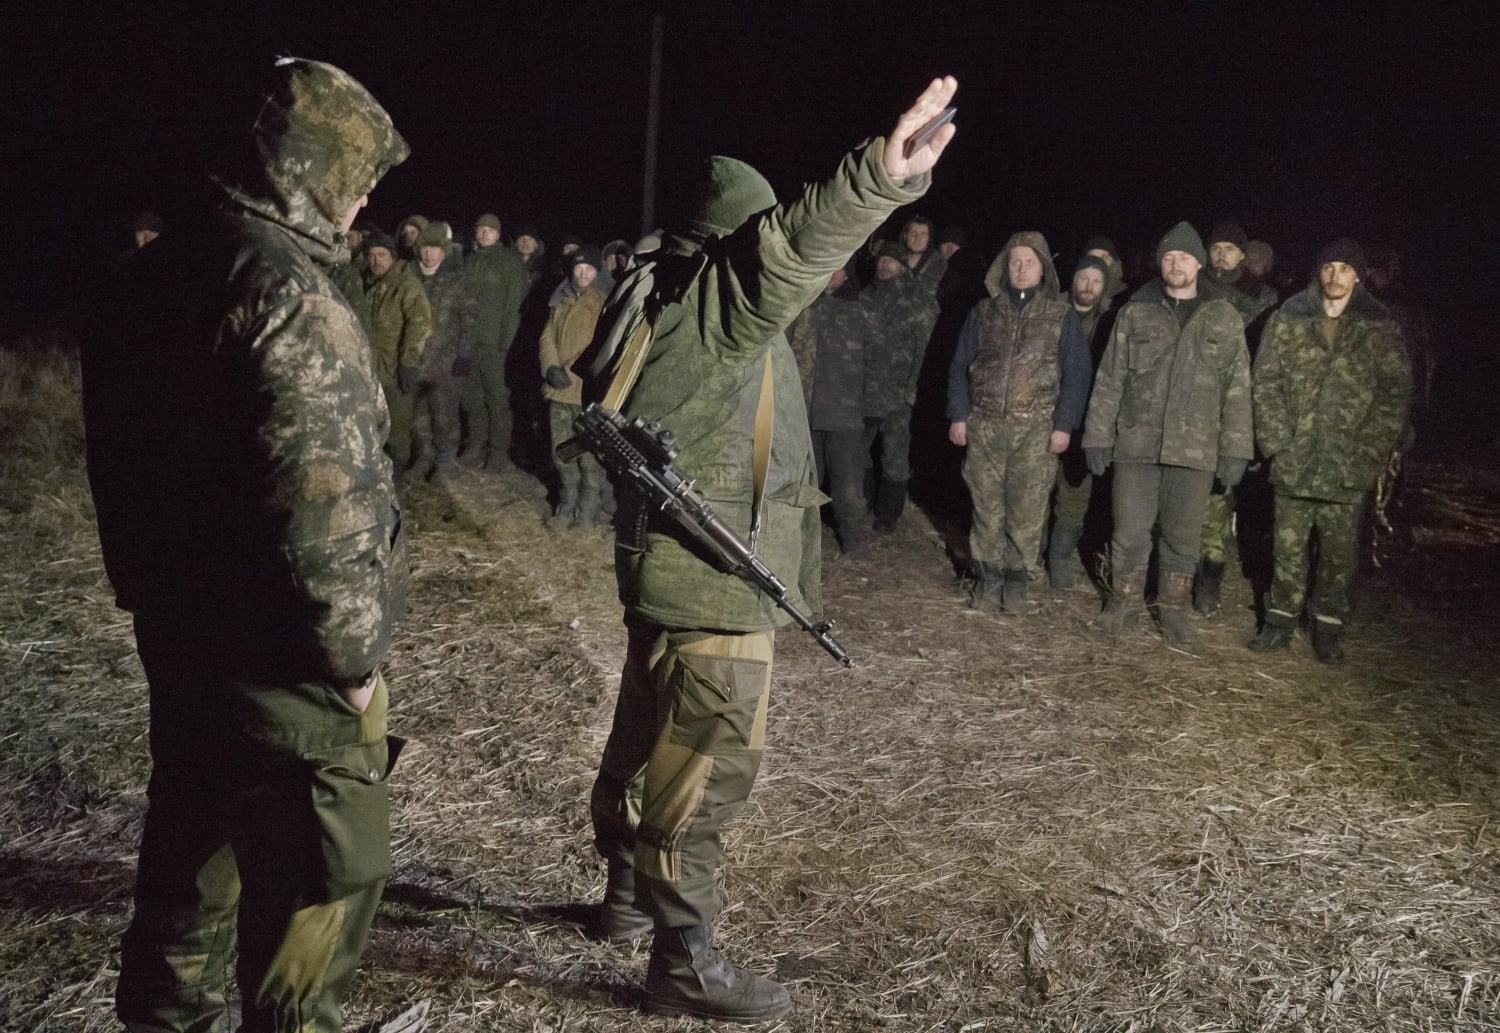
point(990, 824)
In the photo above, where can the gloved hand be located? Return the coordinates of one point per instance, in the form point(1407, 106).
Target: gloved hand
point(462, 367)
point(557, 377)
point(1099, 459)
point(1230, 470)
point(408, 379)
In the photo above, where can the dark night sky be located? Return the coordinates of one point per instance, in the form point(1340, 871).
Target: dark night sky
point(1371, 120)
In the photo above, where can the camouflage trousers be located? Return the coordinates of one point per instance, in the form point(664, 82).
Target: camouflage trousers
point(267, 832)
point(895, 444)
point(582, 478)
point(682, 755)
point(439, 429)
point(1218, 526)
point(1337, 525)
point(1075, 486)
point(1010, 473)
point(485, 405)
point(401, 406)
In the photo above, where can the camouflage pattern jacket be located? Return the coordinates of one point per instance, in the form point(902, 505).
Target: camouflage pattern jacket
point(1178, 396)
point(829, 342)
point(400, 322)
point(350, 281)
point(720, 312)
point(1025, 367)
point(234, 423)
point(1328, 415)
point(569, 329)
point(901, 313)
point(455, 314)
point(500, 282)
point(1249, 296)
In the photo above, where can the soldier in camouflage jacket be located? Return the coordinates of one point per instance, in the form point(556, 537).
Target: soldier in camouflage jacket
point(449, 359)
point(1332, 388)
point(248, 522)
point(400, 324)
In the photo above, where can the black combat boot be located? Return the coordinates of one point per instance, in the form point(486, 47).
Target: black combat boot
point(1275, 633)
point(1013, 598)
point(985, 592)
point(1126, 598)
point(1172, 601)
point(1326, 636)
point(1206, 588)
point(619, 921)
point(688, 976)
point(1062, 558)
point(889, 503)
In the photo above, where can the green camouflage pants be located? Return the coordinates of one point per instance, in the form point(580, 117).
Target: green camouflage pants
point(682, 755)
point(1337, 525)
point(398, 443)
point(1218, 526)
point(267, 831)
point(581, 478)
point(1010, 473)
point(895, 445)
point(486, 404)
point(1075, 487)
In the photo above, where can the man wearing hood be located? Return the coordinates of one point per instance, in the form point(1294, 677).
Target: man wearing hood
point(1228, 267)
point(689, 728)
point(1332, 388)
point(1171, 410)
point(450, 349)
point(499, 278)
point(828, 340)
point(569, 329)
point(901, 313)
point(1017, 388)
point(249, 524)
point(407, 233)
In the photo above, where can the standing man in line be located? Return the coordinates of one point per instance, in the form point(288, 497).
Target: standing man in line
point(499, 279)
point(449, 360)
point(249, 524)
point(1171, 410)
point(1332, 389)
point(689, 728)
point(400, 324)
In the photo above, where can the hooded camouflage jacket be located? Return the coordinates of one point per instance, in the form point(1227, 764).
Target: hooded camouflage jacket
point(901, 313)
point(718, 338)
point(1178, 396)
point(235, 427)
point(455, 314)
point(1328, 415)
point(400, 322)
point(1023, 367)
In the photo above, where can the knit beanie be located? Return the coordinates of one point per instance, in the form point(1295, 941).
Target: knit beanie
point(488, 219)
point(419, 221)
point(1182, 237)
point(586, 254)
point(435, 234)
point(1229, 232)
point(1346, 251)
point(1261, 251)
point(378, 238)
point(1093, 262)
point(724, 194)
point(1102, 243)
point(890, 249)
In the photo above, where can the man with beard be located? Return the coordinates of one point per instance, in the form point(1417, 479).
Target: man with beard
point(921, 254)
point(1171, 410)
point(735, 268)
point(249, 525)
point(1251, 297)
point(1332, 387)
point(902, 312)
point(1075, 485)
point(450, 350)
point(1017, 389)
point(499, 279)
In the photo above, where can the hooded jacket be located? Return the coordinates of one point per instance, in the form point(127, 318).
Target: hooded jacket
point(718, 312)
point(901, 313)
point(1022, 367)
point(1329, 414)
point(1170, 394)
point(234, 423)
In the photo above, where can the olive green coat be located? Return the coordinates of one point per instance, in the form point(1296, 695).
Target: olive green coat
point(1178, 397)
point(1328, 415)
point(722, 310)
point(500, 283)
point(400, 322)
point(569, 329)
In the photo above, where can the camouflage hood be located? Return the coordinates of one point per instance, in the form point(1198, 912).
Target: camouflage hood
point(319, 143)
point(998, 278)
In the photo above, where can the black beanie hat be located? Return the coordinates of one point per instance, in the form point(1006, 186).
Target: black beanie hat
point(1102, 243)
point(954, 235)
point(1093, 262)
point(586, 254)
point(1182, 237)
point(1231, 232)
point(1346, 251)
point(379, 238)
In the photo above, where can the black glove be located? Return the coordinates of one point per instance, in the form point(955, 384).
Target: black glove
point(1099, 459)
point(557, 377)
point(408, 379)
point(1230, 470)
point(462, 367)
point(873, 422)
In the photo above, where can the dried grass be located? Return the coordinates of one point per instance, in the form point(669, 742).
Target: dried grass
point(989, 824)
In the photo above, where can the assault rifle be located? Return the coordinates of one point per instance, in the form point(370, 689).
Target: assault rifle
point(642, 453)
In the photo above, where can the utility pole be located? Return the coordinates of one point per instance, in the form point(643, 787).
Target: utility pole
point(653, 121)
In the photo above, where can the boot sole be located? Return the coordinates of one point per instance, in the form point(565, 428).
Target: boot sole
point(663, 1006)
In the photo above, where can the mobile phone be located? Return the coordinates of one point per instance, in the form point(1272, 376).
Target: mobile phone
point(927, 132)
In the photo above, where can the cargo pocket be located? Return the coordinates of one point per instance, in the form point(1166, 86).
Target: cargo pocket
point(351, 809)
point(716, 699)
